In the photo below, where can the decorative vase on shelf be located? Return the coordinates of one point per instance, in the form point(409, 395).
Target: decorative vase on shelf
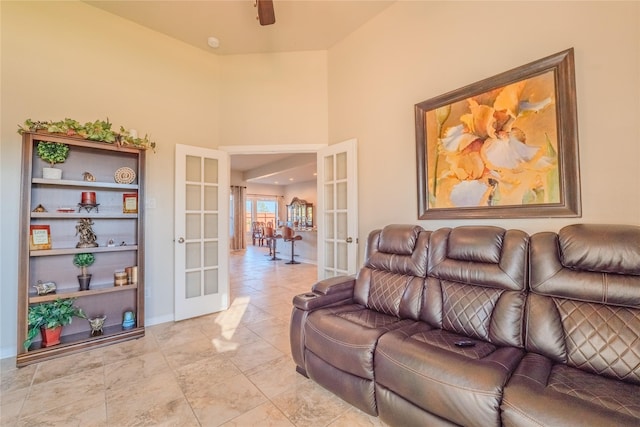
point(128, 320)
point(50, 336)
point(51, 173)
point(84, 281)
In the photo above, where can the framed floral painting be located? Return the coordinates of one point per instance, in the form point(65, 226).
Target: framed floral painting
point(504, 147)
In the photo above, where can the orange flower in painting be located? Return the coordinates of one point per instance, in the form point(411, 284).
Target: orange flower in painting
point(487, 144)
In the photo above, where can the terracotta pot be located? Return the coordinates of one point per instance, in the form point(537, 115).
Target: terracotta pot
point(50, 336)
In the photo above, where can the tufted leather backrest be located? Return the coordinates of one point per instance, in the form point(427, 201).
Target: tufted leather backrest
point(584, 304)
point(476, 283)
point(392, 277)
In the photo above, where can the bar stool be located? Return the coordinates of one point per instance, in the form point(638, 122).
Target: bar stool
point(289, 236)
point(272, 243)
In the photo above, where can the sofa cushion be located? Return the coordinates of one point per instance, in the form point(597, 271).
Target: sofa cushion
point(387, 295)
point(583, 331)
point(542, 393)
point(474, 291)
point(461, 384)
point(589, 247)
point(582, 318)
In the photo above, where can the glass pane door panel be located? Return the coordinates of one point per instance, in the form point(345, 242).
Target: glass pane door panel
point(192, 284)
point(341, 189)
point(210, 254)
point(193, 255)
point(210, 226)
point(193, 197)
point(328, 197)
point(328, 220)
point(342, 260)
point(341, 166)
point(192, 226)
point(210, 282)
point(329, 273)
point(342, 231)
point(193, 169)
point(210, 198)
point(328, 169)
point(211, 171)
point(329, 257)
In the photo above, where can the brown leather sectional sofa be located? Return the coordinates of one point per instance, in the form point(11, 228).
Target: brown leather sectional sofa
point(481, 326)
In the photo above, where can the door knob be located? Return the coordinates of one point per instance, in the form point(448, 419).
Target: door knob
point(349, 240)
point(181, 240)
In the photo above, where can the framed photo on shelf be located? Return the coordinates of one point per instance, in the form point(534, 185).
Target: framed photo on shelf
point(39, 237)
point(130, 203)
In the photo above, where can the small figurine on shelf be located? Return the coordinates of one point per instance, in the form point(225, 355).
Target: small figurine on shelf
point(128, 320)
point(96, 325)
point(88, 176)
point(87, 236)
point(43, 288)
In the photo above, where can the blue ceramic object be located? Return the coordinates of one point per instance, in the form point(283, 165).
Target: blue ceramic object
point(128, 320)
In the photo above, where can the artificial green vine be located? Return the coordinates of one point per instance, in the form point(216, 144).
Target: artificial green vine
point(94, 131)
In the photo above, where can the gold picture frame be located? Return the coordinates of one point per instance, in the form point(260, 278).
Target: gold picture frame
point(39, 237)
point(504, 147)
point(130, 203)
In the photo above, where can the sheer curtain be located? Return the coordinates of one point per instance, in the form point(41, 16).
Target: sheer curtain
point(238, 230)
point(282, 209)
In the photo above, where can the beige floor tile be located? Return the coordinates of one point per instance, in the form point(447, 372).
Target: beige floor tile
point(276, 377)
point(308, 404)
point(10, 405)
point(127, 373)
point(68, 365)
point(257, 353)
point(265, 415)
point(43, 397)
point(12, 378)
point(176, 413)
point(90, 412)
point(224, 401)
point(205, 373)
point(356, 418)
point(129, 349)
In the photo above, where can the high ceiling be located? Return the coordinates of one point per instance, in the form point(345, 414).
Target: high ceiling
point(300, 24)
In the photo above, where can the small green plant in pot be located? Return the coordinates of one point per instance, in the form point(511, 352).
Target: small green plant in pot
point(49, 318)
point(52, 153)
point(83, 261)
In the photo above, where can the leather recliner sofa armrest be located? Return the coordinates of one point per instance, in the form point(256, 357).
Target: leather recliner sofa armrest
point(326, 292)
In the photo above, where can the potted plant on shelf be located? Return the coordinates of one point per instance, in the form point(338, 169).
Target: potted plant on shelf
point(49, 318)
point(83, 261)
point(52, 153)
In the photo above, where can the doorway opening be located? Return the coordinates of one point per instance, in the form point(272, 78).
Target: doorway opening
point(272, 176)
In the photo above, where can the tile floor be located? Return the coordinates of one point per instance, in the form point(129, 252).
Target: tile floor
point(231, 368)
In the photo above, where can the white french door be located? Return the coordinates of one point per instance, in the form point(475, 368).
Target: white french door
point(201, 231)
point(338, 208)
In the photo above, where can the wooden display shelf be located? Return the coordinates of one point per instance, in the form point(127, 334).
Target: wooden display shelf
point(73, 251)
point(78, 342)
point(94, 290)
point(88, 184)
point(93, 215)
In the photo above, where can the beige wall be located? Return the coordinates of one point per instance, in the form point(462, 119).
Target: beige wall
point(414, 51)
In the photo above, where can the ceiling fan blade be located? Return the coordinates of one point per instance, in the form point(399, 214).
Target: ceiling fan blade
point(266, 15)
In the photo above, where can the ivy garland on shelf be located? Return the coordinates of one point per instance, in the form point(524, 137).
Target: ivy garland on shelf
point(93, 131)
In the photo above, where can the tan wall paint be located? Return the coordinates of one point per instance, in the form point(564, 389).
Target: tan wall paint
point(414, 51)
point(274, 99)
